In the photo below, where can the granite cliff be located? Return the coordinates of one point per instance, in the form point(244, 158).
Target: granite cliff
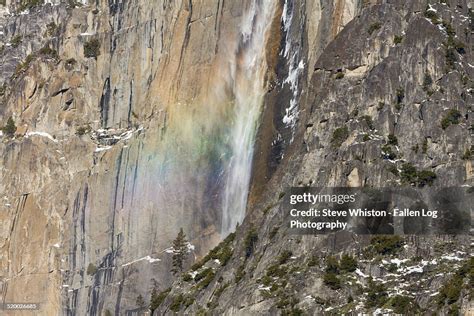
point(137, 118)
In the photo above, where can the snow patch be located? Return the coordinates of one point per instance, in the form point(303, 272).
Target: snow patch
point(451, 258)
point(382, 311)
point(415, 269)
point(147, 258)
point(430, 8)
point(360, 273)
point(41, 134)
point(169, 250)
point(287, 17)
point(105, 138)
point(190, 246)
point(99, 149)
point(398, 261)
point(291, 112)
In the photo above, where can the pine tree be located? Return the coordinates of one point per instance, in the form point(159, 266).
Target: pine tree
point(180, 251)
point(140, 301)
point(10, 128)
point(348, 263)
point(157, 298)
point(154, 301)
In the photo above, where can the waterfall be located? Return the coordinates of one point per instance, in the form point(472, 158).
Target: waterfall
point(248, 90)
point(202, 165)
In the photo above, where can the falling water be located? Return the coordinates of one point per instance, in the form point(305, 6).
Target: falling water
point(204, 159)
point(248, 90)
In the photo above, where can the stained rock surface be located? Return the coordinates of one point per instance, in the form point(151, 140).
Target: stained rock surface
point(95, 90)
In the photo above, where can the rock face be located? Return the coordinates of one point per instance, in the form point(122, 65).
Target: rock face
point(110, 156)
point(391, 78)
point(120, 108)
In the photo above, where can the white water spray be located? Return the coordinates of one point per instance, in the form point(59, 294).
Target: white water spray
point(248, 89)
